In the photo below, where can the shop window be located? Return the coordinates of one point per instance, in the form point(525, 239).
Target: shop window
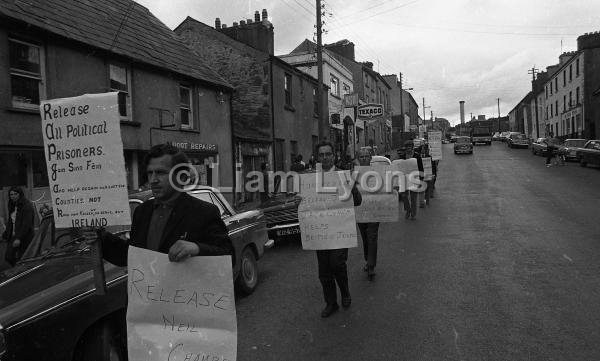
point(13, 169)
point(287, 87)
point(334, 86)
point(120, 81)
point(26, 74)
point(40, 172)
point(185, 107)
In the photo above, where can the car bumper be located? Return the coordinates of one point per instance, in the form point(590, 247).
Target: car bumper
point(284, 230)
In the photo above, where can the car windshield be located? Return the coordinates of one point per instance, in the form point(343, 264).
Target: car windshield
point(463, 140)
point(518, 136)
point(575, 143)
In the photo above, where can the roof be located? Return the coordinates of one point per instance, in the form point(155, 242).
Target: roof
point(123, 27)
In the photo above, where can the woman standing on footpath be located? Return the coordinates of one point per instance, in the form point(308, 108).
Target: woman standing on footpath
point(19, 228)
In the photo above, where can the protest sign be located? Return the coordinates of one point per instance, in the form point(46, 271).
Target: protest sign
point(326, 212)
point(180, 310)
point(379, 199)
point(435, 144)
point(427, 169)
point(84, 157)
point(410, 169)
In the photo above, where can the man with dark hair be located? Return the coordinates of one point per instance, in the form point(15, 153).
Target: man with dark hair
point(332, 262)
point(172, 222)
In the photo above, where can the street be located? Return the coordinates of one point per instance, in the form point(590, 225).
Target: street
point(503, 265)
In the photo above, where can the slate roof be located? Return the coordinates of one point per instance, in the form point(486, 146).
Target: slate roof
point(122, 27)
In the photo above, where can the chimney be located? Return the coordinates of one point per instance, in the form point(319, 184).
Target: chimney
point(265, 15)
point(217, 23)
point(462, 111)
point(368, 64)
point(256, 34)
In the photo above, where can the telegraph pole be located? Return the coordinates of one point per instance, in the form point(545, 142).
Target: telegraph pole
point(534, 71)
point(498, 115)
point(320, 108)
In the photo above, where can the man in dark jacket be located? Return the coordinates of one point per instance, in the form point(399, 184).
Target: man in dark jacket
point(173, 222)
point(332, 262)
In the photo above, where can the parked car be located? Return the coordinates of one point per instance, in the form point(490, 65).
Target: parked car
point(281, 215)
point(496, 136)
point(589, 153)
point(49, 308)
point(569, 148)
point(453, 138)
point(445, 141)
point(463, 145)
point(539, 146)
point(504, 136)
point(517, 140)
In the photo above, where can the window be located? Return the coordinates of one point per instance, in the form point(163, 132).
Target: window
point(26, 74)
point(185, 106)
point(565, 103)
point(571, 72)
point(346, 88)
point(334, 85)
point(577, 67)
point(550, 87)
point(546, 112)
point(556, 107)
point(570, 99)
point(120, 81)
point(293, 151)
point(366, 79)
point(551, 109)
point(287, 87)
point(546, 91)
point(577, 95)
point(556, 84)
point(564, 78)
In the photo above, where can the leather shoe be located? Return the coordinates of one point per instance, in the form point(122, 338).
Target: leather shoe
point(407, 215)
point(346, 301)
point(329, 310)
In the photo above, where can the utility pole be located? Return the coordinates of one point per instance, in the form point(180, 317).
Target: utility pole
point(498, 115)
point(401, 109)
point(320, 108)
point(534, 71)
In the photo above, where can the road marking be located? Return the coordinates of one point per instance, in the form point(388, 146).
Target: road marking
point(567, 258)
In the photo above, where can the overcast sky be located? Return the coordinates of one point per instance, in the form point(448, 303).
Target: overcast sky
point(447, 50)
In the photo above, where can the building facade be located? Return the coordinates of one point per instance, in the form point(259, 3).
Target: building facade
point(371, 88)
point(165, 95)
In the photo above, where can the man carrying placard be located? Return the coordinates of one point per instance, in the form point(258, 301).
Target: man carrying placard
point(368, 231)
point(173, 222)
point(332, 262)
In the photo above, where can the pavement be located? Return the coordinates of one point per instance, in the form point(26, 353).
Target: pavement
point(503, 265)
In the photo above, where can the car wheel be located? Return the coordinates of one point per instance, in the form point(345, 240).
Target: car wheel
point(248, 277)
point(101, 343)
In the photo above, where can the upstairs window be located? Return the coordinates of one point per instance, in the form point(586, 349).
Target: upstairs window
point(185, 107)
point(120, 81)
point(26, 74)
point(346, 89)
point(556, 84)
point(577, 95)
point(570, 72)
point(315, 102)
point(577, 67)
point(334, 85)
point(287, 87)
point(564, 78)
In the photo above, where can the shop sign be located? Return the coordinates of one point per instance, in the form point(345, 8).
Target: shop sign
point(350, 100)
point(191, 146)
point(370, 111)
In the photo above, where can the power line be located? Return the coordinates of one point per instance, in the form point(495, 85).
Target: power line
point(476, 32)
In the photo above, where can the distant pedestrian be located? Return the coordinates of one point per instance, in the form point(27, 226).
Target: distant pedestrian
point(550, 149)
point(298, 165)
point(19, 228)
point(369, 232)
point(410, 197)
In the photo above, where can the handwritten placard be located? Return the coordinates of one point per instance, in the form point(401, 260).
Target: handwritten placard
point(84, 157)
point(435, 144)
point(427, 170)
point(180, 311)
point(326, 212)
point(379, 199)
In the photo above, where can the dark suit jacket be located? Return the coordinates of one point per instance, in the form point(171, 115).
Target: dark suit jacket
point(23, 227)
point(200, 220)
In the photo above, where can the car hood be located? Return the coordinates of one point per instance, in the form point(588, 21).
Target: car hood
point(34, 286)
